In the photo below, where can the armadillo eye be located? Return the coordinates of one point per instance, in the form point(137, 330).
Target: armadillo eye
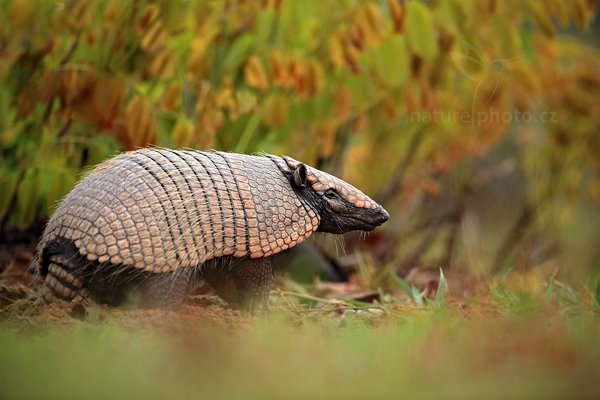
point(331, 194)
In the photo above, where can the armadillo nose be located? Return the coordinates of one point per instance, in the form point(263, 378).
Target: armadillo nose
point(383, 215)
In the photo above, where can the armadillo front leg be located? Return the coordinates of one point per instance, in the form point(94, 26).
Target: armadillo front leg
point(246, 283)
point(167, 290)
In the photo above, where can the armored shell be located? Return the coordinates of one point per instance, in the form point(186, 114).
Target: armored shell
point(159, 209)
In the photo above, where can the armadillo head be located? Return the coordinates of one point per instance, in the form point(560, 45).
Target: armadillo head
point(341, 207)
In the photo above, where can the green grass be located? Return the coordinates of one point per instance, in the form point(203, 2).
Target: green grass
point(502, 345)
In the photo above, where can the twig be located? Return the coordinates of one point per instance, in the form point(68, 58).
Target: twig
point(309, 297)
point(65, 128)
point(71, 50)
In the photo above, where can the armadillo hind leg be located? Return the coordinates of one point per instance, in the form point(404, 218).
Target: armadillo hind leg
point(167, 290)
point(245, 284)
point(62, 278)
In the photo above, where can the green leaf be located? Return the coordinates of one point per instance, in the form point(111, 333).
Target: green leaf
point(248, 132)
point(60, 182)
point(421, 34)
point(598, 294)
point(296, 23)
point(401, 283)
point(357, 303)
point(8, 183)
point(416, 295)
point(264, 26)
point(101, 148)
point(239, 51)
point(27, 199)
point(506, 37)
point(391, 61)
point(442, 290)
point(450, 15)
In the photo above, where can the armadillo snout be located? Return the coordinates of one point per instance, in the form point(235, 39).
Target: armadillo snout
point(382, 216)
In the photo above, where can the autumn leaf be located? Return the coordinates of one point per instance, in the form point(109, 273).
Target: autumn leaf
point(140, 125)
point(153, 37)
point(183, 133)
point(255, 74)
point(275, 110)
point(163, 66)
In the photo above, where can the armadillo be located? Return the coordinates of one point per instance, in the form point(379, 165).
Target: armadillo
point(154, 220)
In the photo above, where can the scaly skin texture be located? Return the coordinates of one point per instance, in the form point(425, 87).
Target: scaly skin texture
point(182, 214)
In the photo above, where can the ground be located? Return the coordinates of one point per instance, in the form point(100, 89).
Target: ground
point(517, 337)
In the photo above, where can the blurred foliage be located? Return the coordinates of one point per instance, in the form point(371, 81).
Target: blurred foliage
point(519, 339)
point(412, 101)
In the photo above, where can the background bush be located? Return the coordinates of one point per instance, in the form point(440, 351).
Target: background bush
point(474, 122)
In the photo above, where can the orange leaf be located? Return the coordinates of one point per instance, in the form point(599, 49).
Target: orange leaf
point(141, 129)
point(314, 77)
point(342, 100)
point(398, 13)
point(171, 99)
point(276, 110)
point(255, 74)
point(370, 19)
point(336, 51)
point(153, 37)
point(162, 65)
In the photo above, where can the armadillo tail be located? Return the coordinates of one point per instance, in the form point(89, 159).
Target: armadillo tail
point(61, 282)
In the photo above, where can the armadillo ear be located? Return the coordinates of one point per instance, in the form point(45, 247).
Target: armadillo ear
point(300, 175)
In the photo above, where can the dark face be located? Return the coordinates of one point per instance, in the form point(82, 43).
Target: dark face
point(340, 216)
point(341, 207)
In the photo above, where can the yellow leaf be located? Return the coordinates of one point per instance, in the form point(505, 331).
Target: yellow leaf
point(275, 110)
point(153, 37)
point(197, 64)
point(326, 134)
point(80, 14)
point(105, 105)
point(398, 14)
point(140, 125)
point(582, 12)
point(542, 18)
point(171, 99)
point(111, 11)
point(342, 100)
point(336, 51)
point(183, 133)
point(297, 74)
point(208, 124)
point(314, 77)
point(255, 74)
point(351, 57)
point(20, 12)
point(163, 66)
point(150, 14)
point(559, 9)
point(391, 109)
point(370, 19)
point(246, 101)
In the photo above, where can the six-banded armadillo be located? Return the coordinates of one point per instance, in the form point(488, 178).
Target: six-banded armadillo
point(155, 219)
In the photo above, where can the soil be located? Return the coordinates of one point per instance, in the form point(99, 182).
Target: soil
point(20, 308)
